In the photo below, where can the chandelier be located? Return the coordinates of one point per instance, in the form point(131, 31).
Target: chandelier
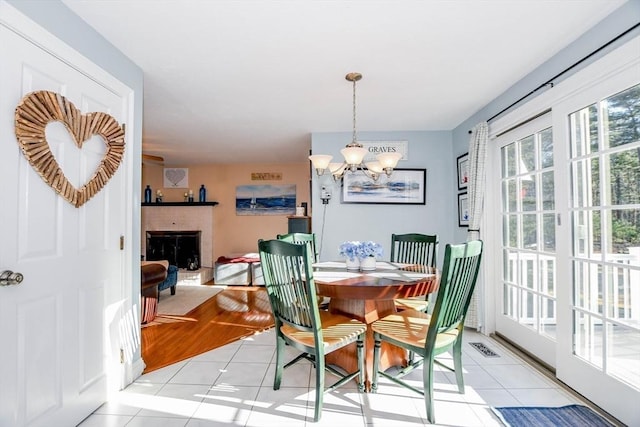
point(354, 153)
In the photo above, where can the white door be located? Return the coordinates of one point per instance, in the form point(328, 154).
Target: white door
point(527, 220)
point(56, 326)
point(567, 219)
point(600, 325)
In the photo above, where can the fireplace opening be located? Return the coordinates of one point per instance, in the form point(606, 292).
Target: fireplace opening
point(180, 248)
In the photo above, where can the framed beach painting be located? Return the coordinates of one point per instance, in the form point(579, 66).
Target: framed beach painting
point(266, 199)
point(404, 187)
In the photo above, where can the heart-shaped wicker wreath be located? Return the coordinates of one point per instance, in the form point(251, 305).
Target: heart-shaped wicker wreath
point(33, 114)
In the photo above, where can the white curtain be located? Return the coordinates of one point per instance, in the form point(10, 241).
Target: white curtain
point(477, 163)
point(475, 190)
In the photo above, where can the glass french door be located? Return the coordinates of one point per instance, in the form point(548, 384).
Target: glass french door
point(528, 305)
point(566, 214)
point(603, 137)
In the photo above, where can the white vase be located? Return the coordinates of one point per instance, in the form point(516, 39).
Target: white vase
point(352, 264)
point(368, 263)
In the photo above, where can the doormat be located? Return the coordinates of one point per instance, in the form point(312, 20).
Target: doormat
point(566, 416)
point(486, 351)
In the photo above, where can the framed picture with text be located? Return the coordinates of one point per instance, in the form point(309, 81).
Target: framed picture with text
point(463, 171)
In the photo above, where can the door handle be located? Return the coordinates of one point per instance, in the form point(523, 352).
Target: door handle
point(8, 277)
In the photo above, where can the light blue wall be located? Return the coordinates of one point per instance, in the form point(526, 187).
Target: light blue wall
point(622, 19)
point(437, 151)
point(336, 222)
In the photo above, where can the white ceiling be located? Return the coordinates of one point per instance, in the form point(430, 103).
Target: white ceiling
point(249, 81)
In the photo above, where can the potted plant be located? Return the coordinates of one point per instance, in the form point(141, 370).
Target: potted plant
point(361, 254)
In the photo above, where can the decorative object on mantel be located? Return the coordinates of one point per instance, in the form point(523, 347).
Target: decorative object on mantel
point(147, 194)
point(159, 196)
point(36, 111)
point(354, 153)
point(202, 196)
point(176, 177)
point(360, 255)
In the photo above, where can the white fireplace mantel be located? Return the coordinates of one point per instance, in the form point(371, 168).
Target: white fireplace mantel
point(179, 217)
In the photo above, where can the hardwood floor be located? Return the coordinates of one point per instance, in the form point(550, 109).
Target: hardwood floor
point(234, 313)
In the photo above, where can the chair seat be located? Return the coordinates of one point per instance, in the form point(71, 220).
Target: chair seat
point(417, 303)
point(410, 327)
point(336, 330)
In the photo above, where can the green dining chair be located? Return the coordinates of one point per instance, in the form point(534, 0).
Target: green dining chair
point(299, 323)
point(429, 335)
point(414, 248)
point(307, 238)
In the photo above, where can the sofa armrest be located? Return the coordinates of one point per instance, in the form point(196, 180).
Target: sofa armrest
point(164, 262)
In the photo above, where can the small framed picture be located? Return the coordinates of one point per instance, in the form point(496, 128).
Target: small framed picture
point(176, 178)
point(463, 171)
point(463, 210)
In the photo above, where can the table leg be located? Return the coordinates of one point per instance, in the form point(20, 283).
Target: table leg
point(367, 311)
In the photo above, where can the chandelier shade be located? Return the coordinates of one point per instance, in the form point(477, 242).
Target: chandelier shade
point(354, 153)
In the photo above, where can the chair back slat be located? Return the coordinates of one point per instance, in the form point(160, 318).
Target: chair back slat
point(457, 283)
point(414, 248)
point(286, 268)
point(308, 239)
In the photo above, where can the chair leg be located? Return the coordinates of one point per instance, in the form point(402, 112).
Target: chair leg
point(280, 346)
point(427, 382)
point(361, 377)
point(457, 363)
point(376, 362)
point(173, 290)
point(319, 387)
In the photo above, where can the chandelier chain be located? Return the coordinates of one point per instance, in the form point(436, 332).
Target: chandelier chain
point(354, 140)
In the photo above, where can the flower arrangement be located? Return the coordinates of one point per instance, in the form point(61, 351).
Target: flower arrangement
point(356, 249)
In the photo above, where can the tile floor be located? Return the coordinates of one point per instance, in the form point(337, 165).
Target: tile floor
point(233, 386)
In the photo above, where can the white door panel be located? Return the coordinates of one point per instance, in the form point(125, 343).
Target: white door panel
point(54, 325)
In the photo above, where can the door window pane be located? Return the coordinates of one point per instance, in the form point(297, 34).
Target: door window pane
point(546, 148)
point(605, 171)
point(509, 304)
point(528, 193)
point(622, 361)
point(529, 231)
point(509, 160)
point(624, 169)
point(548, 317)
point(588, 338)
point(548, 233)
point(548, 189)
point(621, 115)
point(527, 161)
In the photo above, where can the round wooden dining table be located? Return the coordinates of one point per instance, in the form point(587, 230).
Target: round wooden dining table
point(368, 296)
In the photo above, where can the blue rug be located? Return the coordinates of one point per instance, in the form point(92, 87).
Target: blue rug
point(563, 416)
